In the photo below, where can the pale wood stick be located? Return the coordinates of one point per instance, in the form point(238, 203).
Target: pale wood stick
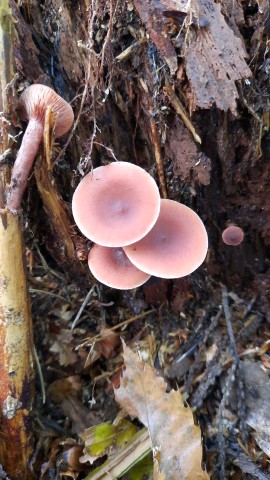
point(16, 340)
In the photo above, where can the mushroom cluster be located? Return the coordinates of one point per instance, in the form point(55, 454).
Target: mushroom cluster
point(136, 233)
point(34, 103)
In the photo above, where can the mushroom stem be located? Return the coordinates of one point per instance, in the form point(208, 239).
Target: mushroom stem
point(23, 164)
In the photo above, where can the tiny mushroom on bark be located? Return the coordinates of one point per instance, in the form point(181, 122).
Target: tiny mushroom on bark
point(112, 267)
point(34, 102)
point(233, 235)
point(116, 205)
point(176, 245)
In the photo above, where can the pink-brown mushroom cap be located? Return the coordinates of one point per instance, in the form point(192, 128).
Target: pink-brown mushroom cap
point(176, 245)
point(34, 103)
point(116, 205)
point(112, 267)
point(37, 98)
point(233, 235)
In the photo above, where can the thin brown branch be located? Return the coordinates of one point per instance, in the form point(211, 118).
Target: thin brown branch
point(180, 109)
point(158, 157)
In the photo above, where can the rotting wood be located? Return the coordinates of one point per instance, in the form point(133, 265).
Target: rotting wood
point(212, 76)
point(64, 238)
point(151, 16)
point(16, 340)
point(179, 108)
point(60, 222)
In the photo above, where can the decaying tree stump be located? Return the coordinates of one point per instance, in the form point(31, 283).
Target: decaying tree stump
point(165, 85)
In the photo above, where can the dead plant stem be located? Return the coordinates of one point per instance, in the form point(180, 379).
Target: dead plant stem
point(158, 157)
point(180, 109)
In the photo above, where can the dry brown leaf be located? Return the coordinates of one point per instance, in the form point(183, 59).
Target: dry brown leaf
point(108, 342)
point(215, 59)
point(61, 388)
point(63, 346)
point(156, 473)
point(71, 456)
point(171, 425)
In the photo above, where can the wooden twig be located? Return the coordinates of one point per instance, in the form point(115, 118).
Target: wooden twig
point(16, 340)
point(86, 300)
point(129, 51)
point(228, 383)
point(246, 104)
point(158, 157)
point(40, 374)
point(220, 436)
point(180, 109)
point(89, 341)
point(228, 318)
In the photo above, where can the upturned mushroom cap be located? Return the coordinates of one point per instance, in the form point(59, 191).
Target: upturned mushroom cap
point(116, 205)
point(233, 235)
point(34, 102)
point(112, 267)
point(176, 245)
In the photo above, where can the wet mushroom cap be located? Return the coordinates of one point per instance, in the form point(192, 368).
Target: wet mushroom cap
point(233, 235)
point(37, 98)
point(116, 205)
point(176, 245)
point(112, 267)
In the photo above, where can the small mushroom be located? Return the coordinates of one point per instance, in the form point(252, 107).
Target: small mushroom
point(33, 102)
point(112, 267)
point(233, 235)
point(176, 245)
point(116, 205)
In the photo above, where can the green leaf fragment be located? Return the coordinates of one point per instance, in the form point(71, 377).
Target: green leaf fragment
point(143, 470)
point(105, 438)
